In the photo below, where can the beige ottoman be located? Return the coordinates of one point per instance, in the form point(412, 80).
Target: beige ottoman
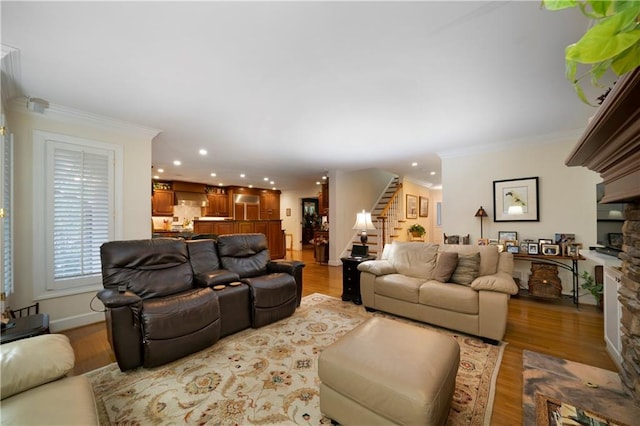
point(386, 371)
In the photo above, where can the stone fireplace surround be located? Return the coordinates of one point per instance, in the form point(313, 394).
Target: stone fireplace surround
point(610, 146)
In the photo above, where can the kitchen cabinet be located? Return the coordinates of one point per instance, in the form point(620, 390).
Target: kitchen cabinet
point(269, 204)
point(323, 200)
point(218, 205)
point(162, 203)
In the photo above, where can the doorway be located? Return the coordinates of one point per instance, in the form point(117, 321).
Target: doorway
point(311, 220)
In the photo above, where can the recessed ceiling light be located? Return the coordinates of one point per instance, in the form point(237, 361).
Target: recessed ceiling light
point(221, 184)
point(318, 183)
point(274, 188)
point(156, 177)
point(432, 173)
point(324, 177)
point(160, 170)
point(203, 152)
point(250, 186)
point(242, 175)
point(177, 162)
point(414, 164)
point(213, 175)
point(266, 179)
point(271, 183)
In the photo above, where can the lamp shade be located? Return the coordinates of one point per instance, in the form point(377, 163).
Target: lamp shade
point(481, 212)
point(363, 221)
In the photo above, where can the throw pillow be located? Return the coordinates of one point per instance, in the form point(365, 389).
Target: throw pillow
point(467, 270)
point(446, 265)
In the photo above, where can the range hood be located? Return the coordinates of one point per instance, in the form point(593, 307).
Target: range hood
point(190, 199)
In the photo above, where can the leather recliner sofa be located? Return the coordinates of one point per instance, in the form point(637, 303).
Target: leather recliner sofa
point(160, 299)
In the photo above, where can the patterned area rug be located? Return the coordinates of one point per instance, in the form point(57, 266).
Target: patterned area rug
point(269, 376)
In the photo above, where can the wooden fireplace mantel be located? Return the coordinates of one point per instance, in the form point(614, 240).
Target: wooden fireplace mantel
point(610, 145)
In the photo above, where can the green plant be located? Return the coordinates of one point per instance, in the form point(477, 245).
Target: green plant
point(589, 284)
point(612, 42)
point(417, 229)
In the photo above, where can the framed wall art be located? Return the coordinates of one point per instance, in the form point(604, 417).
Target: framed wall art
point(412, 207)
point(516, 200)
point(424, 207)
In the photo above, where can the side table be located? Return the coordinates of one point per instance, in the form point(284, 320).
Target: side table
point(29, 326)
point(351, 278)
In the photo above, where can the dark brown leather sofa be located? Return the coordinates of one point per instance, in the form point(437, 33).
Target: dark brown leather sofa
point(159, 296)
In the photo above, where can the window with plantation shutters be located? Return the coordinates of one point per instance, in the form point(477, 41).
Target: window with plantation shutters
point(77, 192)
point(6, 209)
point(81, 206)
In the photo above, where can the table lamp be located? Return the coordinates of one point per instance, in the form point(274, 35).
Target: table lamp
point(363, 223)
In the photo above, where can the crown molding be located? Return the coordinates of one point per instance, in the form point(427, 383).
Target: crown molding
point(73, 116)
point(522, 142)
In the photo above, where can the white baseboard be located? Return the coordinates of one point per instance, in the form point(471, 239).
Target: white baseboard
point(75, 321)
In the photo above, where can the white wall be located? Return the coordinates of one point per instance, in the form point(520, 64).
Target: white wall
point(72, 311)
point(349, 193)
point(566, 195)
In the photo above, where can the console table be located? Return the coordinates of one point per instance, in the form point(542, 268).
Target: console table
point(29, 326)
point(569, 263)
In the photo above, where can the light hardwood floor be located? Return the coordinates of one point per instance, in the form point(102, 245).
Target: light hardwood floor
point(550, 328)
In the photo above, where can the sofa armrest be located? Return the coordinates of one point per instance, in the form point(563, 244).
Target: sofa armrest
point(213, 278)
point(500, 282)
point(34, 361)
point(291, 267)
point(115, 299)
point(288, 266)
point(377, 267)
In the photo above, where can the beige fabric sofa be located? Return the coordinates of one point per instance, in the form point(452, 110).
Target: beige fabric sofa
point(34, 388)
point(402, 282)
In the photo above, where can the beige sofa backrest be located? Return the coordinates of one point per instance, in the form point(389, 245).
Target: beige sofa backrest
point(413, 259)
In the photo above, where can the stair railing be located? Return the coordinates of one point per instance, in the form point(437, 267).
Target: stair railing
point(388, 219)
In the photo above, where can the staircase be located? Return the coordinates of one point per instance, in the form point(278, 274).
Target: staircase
point(387, 216)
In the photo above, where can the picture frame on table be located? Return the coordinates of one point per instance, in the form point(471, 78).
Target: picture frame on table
point(542, 241)
point(513, 249)
point(493, 241)
point(423, 211)
point(573, 250)
point(533, 248)
point(507, 235)
point(516, 200)
point(550, 249)
point(510, 243)
point(411, 207)
point(483, 241)
point(564, 238)
point(524, 247)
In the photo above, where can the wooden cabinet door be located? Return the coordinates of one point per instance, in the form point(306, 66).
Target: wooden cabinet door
point(222, 228)
point(218, 205)
point(269, 205)
point(162, 203)
point(252, 212)
point(246, 227)
point(275, 239)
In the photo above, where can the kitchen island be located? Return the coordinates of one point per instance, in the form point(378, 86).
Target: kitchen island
point(271, 228)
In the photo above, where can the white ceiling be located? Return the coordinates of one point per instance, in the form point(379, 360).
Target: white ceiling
point(291, 89)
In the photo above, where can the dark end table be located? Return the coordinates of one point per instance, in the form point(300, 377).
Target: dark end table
point(29, 326)
point(351, 278)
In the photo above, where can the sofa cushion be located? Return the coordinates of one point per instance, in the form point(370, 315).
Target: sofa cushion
point(398, 286)
point(467, 270)
point(31, 362)
point(445, 266)
point(500, 282)
point(414, 259)
point(488, 255)
point(452, 297)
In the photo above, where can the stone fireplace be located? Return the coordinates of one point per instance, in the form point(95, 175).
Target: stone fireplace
point(610, 146)
point(629, 298)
